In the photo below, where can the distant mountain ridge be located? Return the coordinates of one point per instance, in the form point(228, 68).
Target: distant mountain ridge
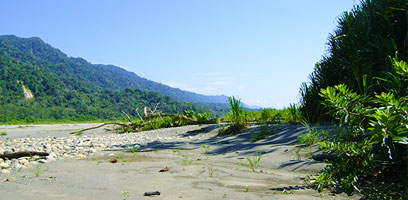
point(103, 76)
point(130, 79)
point(39, 83)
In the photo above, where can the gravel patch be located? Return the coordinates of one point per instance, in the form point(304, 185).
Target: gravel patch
point(81, 147)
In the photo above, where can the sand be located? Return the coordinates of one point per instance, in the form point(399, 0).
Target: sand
point(203, 167)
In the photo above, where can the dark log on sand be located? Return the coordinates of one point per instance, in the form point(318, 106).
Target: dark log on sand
point(324, 157)
point(110, 123)
point(23, 154)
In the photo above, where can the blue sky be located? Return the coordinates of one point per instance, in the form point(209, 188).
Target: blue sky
point(258, 50)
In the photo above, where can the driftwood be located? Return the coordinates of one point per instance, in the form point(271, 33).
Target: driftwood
point(324, 157)
point(23, 154)
point(110, 123)
point(148, 117)
point(127, 117)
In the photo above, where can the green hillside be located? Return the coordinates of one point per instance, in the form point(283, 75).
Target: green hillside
point(66, 88)
point(104, 76)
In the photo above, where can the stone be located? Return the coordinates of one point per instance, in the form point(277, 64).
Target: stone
point(15, 165)
point(50, 158)
point(34, 162)
point(42, 161)
point(23, 161)
point(5, 171)
point(4, 165)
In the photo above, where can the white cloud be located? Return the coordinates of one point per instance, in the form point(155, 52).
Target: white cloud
point(219, 83)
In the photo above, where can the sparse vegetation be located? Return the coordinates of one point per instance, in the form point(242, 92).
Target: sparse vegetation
point(308, 140)
point(266, 131)
point(133, 149)
point(126, 194)
point(3, 134)
point(211, 171)
point(78, 133)
point(254, 161)
point(38, 170)
point(187, 162)
point(206, 148)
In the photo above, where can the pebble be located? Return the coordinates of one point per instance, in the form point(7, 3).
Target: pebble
point(4, 165)
point(15, 165)
point(5, 171)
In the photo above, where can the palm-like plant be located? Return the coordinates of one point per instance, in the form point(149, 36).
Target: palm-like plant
point(238, 117)
point(359, 50)
point(236, 112)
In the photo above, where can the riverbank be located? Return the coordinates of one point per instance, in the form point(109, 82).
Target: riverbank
point(194, 164)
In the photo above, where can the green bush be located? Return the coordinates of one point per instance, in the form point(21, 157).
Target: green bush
point(190, 113)
point(268, 115)
point(156, 123)
point(372, 146)
point(203, 118)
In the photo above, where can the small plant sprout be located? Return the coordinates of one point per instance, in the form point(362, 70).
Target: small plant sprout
point(307, 140)
point(211, 171)
point(187, 162)
point(3, 134)
point(78, 133)
point(38, 170)
point(133, 149)
point(206, 148)
point(254, 161)
point(176, 151)
point(126, 194)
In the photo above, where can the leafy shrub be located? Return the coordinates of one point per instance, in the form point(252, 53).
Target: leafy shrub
point(268, 115)
point(203, 118)
point(190, 113)
point(372, 148)
point(156, 123)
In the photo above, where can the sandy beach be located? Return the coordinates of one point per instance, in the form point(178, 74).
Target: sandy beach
point(194, 164)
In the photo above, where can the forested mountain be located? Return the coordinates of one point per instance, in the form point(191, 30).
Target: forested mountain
point(74, 89)
point(104, 76)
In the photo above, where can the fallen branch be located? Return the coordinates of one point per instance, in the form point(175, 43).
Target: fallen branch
point(127, 117)
point(140, 117)
point(110, 123)
point(23, 154)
